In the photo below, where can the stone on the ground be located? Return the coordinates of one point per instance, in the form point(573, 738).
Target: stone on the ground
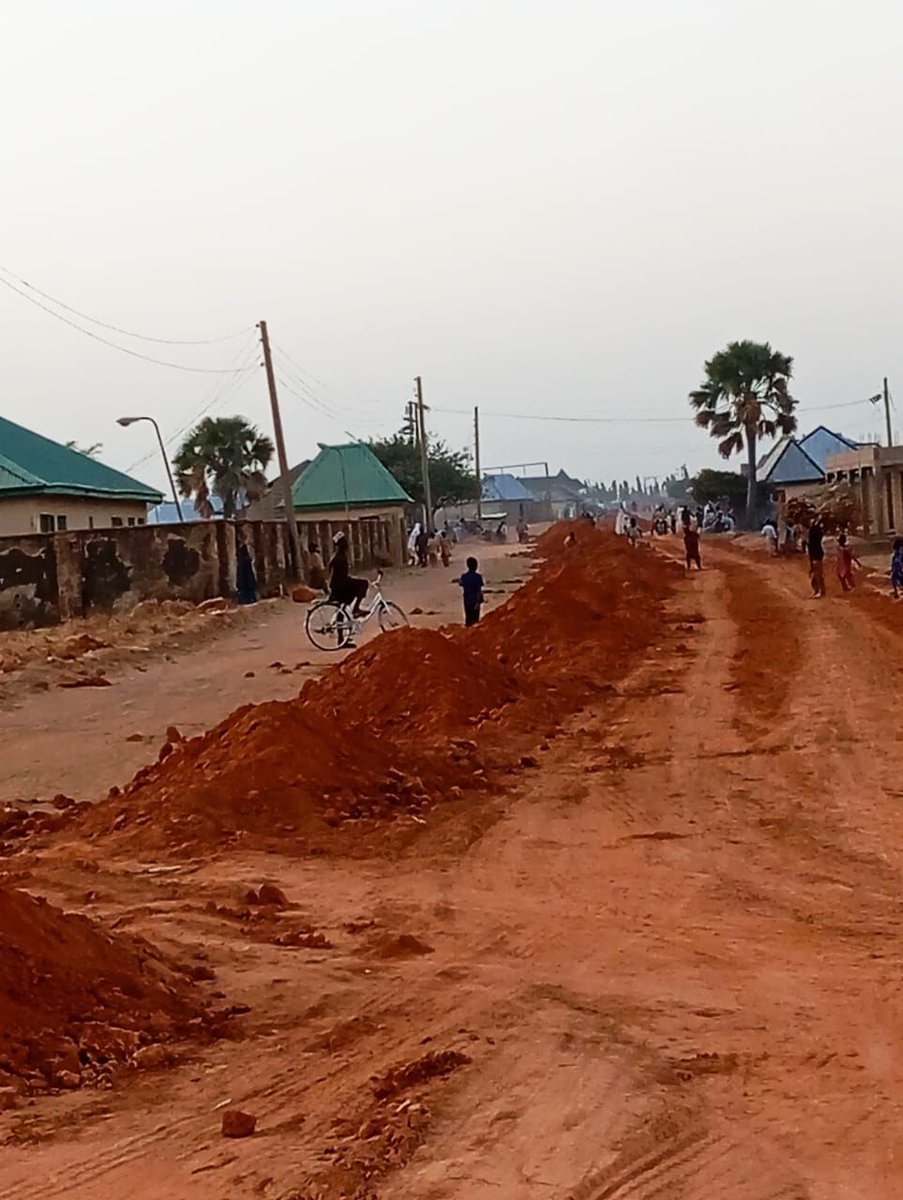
point(238, 1124)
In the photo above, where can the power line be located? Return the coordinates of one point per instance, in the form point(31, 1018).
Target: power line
point(617, 420)
point(216, 397)
point(115, 345)
point(116, 328)
point(312, 402)
point(306, 374)
point(310, 392)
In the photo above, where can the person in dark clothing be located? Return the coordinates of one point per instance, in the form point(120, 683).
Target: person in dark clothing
point(816, 551)
point(422, 546)
point(245, 579)
point(471, 584)
point(343, 587)
point(691, 545)
point(685, 517)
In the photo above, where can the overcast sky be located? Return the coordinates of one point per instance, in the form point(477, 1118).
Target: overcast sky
point(544, 208)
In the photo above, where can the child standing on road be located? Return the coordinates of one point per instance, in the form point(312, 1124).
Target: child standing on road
point(896, 568)
point(691, 545)
point(845, 563)
point(471, 584)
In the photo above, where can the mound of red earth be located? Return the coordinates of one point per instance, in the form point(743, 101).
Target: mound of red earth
point(74, 1001)
point(412, 718)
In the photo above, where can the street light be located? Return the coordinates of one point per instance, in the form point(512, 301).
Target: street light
point(125, 421)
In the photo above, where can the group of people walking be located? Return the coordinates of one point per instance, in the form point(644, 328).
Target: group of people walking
point(427, 547)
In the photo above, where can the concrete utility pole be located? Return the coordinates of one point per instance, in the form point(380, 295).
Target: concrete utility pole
point(424, 457)
point(890, 432)
point(294, 545)
point(476, 459)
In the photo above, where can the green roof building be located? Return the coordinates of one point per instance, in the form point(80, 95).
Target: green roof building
point(46, 487)
point(346, 477)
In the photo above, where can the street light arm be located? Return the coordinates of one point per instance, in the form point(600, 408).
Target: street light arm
point(126, 421)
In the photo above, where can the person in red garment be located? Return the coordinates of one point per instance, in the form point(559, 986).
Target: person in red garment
point(846, 561)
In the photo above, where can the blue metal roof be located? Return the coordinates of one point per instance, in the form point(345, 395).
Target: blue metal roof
point(821, 443)
point(506, 489)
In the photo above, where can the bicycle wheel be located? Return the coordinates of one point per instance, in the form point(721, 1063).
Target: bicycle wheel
point(327, 625)
point(391, 617)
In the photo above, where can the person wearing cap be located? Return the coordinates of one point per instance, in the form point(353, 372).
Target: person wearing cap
point(343, 587)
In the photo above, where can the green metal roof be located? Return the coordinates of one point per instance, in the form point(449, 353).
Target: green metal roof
point(30, 463)
point(347, 476)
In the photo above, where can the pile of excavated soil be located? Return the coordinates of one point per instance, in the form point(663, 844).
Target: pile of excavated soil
point(404, 722)
point(74, 1000)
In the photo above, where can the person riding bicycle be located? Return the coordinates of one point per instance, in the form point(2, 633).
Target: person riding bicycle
point(343, 587)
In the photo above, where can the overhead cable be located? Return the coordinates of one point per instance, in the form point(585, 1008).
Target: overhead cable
point(228, 337)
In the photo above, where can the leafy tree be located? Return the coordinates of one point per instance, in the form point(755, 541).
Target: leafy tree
point(711, 486)
point(744, 398)
point(452, 478)
point(224, 457)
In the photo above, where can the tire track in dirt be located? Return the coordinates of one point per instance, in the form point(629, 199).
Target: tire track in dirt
point(612, 789)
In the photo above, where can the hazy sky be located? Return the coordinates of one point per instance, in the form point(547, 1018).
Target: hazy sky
point(542, 208)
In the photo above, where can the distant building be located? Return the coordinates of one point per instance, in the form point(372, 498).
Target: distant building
point(561, 493)
point(794, 464)
point(270, 507)
point(46, 487)
point(348, 478)
point(874, 474)
point(166, 513)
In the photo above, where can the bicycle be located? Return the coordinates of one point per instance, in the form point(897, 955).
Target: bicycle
point(331, 626)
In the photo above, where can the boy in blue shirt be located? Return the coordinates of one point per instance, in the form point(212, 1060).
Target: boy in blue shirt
point(471, 583)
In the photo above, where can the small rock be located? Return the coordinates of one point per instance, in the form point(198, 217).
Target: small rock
point(9, 1098)
point(331, 817)
point(67, 1079)
point(270, 894)
point(238, 1124)
point(527, 760)
point(249, 674)
point(149, 1058)
point(173, 734)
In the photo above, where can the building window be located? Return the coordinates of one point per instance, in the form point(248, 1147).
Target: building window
point(131, 520)
point(90, 522)
point(47, 523)
point(116, 522)
point(141, 521)
point(62, 523)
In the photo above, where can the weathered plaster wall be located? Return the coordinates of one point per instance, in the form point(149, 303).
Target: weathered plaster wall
point(45, 578)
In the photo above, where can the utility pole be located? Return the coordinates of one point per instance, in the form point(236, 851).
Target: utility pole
point(890, 432)
point(476, 459)
point(294, 545)
point(424, 457)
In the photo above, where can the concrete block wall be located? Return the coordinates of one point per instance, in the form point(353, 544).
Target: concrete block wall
point(46, 578)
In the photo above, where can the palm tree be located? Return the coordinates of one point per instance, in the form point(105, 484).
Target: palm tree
point(225, 456)
point(744, 398)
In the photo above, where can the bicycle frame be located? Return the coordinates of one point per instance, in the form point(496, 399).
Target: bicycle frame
point(376, 605)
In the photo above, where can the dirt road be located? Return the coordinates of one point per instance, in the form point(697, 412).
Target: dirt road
point(667, 967)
